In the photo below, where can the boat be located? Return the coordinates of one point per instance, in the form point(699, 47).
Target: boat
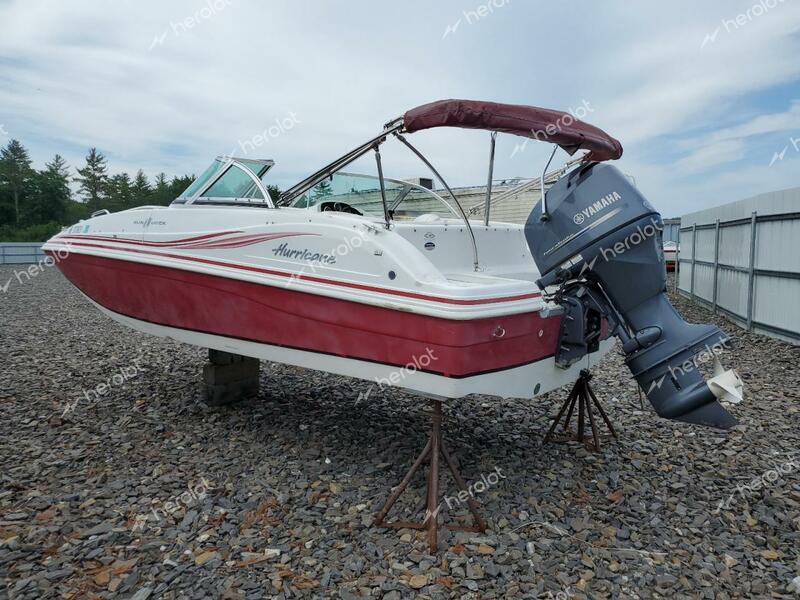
point(391, 281)
point(671, 255)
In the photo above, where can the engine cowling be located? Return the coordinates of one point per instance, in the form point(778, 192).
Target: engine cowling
point(599, 252)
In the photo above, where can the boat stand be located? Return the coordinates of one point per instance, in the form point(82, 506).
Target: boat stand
point(582, 395)
point(433, 448)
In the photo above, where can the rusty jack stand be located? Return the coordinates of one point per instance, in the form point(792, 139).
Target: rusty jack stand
point(432, 449)
point(583, 394)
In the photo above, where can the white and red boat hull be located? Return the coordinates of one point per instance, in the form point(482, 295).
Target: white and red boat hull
point(227, 291)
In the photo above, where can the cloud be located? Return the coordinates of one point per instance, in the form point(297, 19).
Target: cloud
point(729, 145)
point(788, 120)
point(152, 92)
point(711, 155)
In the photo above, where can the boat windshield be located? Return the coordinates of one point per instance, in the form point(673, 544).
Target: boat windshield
point(229, 181)
point(204, 178)
point(235, 183)
point(406, 201)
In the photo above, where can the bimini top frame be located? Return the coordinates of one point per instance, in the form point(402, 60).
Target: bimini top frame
point(337, 165)
point(542, 124)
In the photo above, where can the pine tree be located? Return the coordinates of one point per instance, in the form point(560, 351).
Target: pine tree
point(15, 173)
point(178, 185)
point(58, 168)
point(119, 192)
point(93, 178)
point(140, 188)
point(274, 193)
point(322, 189)
point(161, 194)
point(49, 194)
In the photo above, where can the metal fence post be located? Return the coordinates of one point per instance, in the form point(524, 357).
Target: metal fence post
point(2, 254)
point(694, 254)
point(751, 271)
point(716, 267)
point(677, 260)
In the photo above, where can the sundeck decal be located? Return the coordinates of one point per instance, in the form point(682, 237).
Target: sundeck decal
point(149, 221)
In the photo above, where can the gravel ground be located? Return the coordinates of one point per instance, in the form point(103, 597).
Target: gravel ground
point(142, 491)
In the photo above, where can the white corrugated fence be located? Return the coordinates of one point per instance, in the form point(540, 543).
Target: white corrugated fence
point(18, 253)
point(743, 259)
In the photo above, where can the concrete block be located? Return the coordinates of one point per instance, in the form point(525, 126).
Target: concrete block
point(221, 395)
point(230, 377)
point(237, 371)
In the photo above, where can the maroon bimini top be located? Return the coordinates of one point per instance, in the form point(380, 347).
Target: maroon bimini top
point(532, 122)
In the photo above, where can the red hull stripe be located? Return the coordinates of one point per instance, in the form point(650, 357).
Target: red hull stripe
point(240, 241)
point(203, 241)
point(237, 241)
point(286, 317)
point(334, 282)
point(178, 242)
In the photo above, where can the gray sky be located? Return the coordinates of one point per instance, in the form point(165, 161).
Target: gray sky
point(703, 96)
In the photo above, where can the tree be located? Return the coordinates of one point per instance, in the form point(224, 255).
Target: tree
point(161, 194)
point(140, 188)
point(58, 168)
point(274, 193)
point(119, 192)
point(322, 189)
point(178, 185)
point(15, 173)
point(161, 181)
point(35, 204)
point(93, 178)
point(49, 194)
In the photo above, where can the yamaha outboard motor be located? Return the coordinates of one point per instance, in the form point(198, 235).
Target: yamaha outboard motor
point(599, 251)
